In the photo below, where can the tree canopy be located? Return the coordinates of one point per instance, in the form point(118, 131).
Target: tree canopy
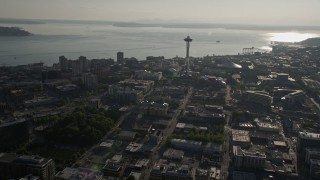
point(82, 127)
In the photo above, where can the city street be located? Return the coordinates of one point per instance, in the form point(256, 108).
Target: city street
point(84, 158)
point(167, 132)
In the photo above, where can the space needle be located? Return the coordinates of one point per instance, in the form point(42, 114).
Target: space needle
point(188, 40)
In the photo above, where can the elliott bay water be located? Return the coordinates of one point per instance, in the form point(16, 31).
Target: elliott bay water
point(53, 39)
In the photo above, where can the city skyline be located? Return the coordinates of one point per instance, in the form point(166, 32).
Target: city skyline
point(159, 90)
point(285, 12)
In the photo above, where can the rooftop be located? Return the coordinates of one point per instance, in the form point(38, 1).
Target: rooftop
point(79, 174)
point(173, 154)
point(23, 159)
point(197, 143)
point(180, 125)
point(9, 123)
point(239, 132)
point(253, 152)
point(142, 163)
point(116, 158)
point(134, 147)
point(241, 138)
point(280, 143)
point(308, 135)
point(107, 144)
point(127, 134)
point(267, 125)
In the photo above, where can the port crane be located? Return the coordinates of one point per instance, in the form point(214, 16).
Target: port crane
point(252, 50)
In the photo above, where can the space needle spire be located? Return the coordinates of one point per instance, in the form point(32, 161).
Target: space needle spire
point(188, 40)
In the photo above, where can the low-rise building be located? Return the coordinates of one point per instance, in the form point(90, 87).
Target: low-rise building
point(77, 173)
point(154, 108)
point(246, 126)
point(147, 75)
point(156, 137)
point(158, 170)
point(179, 172)
point(202, 174)
point(127, 135)
point(258, 97)
point(281, 146)
point(212, 150)
point(139, 165)
point(67, 89)
point(240, 138)
point(95, 103)
point(183, 128)
point(268, 127)
point(248, 159)
point(129, 90)
point(134, 148)
point(203, 117)
point(136, 175)
point(239, 175)
point(114, 166)
point(214, 173)
point(214, 108)
point(173, 154)
point(186, 145)
point(106, 144)
point(17, 166)
point(41, 101)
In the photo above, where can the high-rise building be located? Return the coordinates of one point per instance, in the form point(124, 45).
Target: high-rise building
point(314, 171)
point(13, 166)
point(90, 81)
point(311, 153)
point(120, 58)
point(306, 139)
point(77, 68)
point(84, 63)
point(63, 61)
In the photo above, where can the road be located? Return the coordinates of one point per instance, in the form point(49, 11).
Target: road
point(228, 98)
point(227, 133)
point(168, 131)
point(82, 160)
point(316, 107)
point(227, 149)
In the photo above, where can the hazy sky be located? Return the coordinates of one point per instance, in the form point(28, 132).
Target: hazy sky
point(292, 12)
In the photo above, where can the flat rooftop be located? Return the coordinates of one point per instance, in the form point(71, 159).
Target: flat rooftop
point(23, 159)
point(280, 143)
point(79, 173)
point(308, 135)
point(241, 138)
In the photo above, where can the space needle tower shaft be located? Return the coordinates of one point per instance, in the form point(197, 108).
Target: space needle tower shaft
point(188, 40)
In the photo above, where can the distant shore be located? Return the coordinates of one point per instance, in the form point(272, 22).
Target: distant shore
point(13, 31)
point(311, 42)
point(169, 24)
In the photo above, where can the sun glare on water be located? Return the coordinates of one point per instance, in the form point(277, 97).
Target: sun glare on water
point(290, 36)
